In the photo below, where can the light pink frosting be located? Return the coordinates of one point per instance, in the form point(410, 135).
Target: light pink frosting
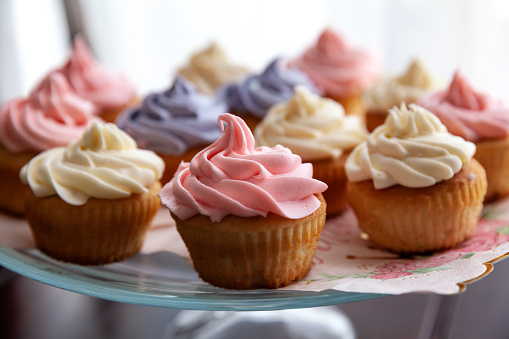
point(52, 116)
point(336, 67)
point(94, 82)
point(467, 113)
point(231, 176)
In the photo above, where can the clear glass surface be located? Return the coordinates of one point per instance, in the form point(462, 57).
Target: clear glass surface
point(161, 279)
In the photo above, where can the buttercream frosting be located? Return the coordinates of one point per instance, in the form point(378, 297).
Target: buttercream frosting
point(172, 121)
point(52, 116)
point(412, 148)
point(93, 81)
point(337, 67)
point(210, 68)
point(468, 113)
point(409, 87)
point(231, 176)
point(105, 163)
point(257, 93)
point(311, 126)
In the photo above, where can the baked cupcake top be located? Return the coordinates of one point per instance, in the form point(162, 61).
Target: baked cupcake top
point(210, 68)
point(336, 67)
point(94, 82)
point(257, 93)
point(175, 120)
point(408, 88)
point(105, 163)
point(52, 116)
point(313, 127)
point(468, 113)
point(231, 176)
point(412, 148)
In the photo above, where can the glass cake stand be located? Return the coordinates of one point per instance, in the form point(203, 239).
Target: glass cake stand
point(161, 279)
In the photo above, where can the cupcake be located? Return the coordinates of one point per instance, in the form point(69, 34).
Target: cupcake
point(318, 131)
point(480, 119)
point(387, 93)
point(210, 69)
point(413, 186)
point(52, 116)
point(176, 123)
point(92, 202)
point(339, 69)
point(109, 92)
point(252, 97)
point(250, 217)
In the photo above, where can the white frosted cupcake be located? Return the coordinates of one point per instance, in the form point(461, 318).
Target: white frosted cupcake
point(413, 186)
point(318, 130)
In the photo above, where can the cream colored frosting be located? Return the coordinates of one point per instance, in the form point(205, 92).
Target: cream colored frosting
point(210, 68)
point(105, 163)
point(311, 126)
point(416, 83)
point(412, 148)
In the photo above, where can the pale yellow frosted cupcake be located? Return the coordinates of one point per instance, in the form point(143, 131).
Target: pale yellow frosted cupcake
point(408, 88)
point(210, 68)
point(317, 129)
point(92, 202)
point(413, 186)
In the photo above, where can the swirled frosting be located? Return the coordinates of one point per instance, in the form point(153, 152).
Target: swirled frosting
point(105, 163)
point(209, 69)
point(412, 148)
point(94, 82)
point(174, 120)
point(408, 88)
point(311, 126)
point(336, 67)
point(231, 176)
point(52, 116)
point(468, 113)
point(257, 93)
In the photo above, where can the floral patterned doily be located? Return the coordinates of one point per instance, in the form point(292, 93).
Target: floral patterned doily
point(346, 260)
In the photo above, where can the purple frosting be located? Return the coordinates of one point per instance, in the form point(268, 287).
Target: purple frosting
point(257, 93)
point(175, 120)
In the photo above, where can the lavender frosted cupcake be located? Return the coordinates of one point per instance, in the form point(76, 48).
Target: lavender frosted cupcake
point(252, 97)
point(176, 123)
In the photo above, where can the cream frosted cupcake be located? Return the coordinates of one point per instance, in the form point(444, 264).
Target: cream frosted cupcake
point(477, 117)
point(318, 131)
point(342, 71)
point(413, 186)
point(250, 217)
point(411, 86)
point(92, 202)
point(52, 116)
point(210, 69)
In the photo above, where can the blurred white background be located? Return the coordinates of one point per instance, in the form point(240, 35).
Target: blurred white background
point(148, 40)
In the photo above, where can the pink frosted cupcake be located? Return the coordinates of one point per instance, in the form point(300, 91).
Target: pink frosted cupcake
point(477, 117)
point(341, 70)
point(250, 217)
point(52, 116)
point(109, 92)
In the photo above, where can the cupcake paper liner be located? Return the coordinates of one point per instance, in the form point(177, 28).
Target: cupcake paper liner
point(494, 157)
point(418, 220)
point(254, 252)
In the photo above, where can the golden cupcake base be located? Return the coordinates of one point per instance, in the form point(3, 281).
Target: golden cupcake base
point(494, 157)
point(252, 252)
point(332, 172)
point(12, 197)
point(99, 232)
point(418, 220)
